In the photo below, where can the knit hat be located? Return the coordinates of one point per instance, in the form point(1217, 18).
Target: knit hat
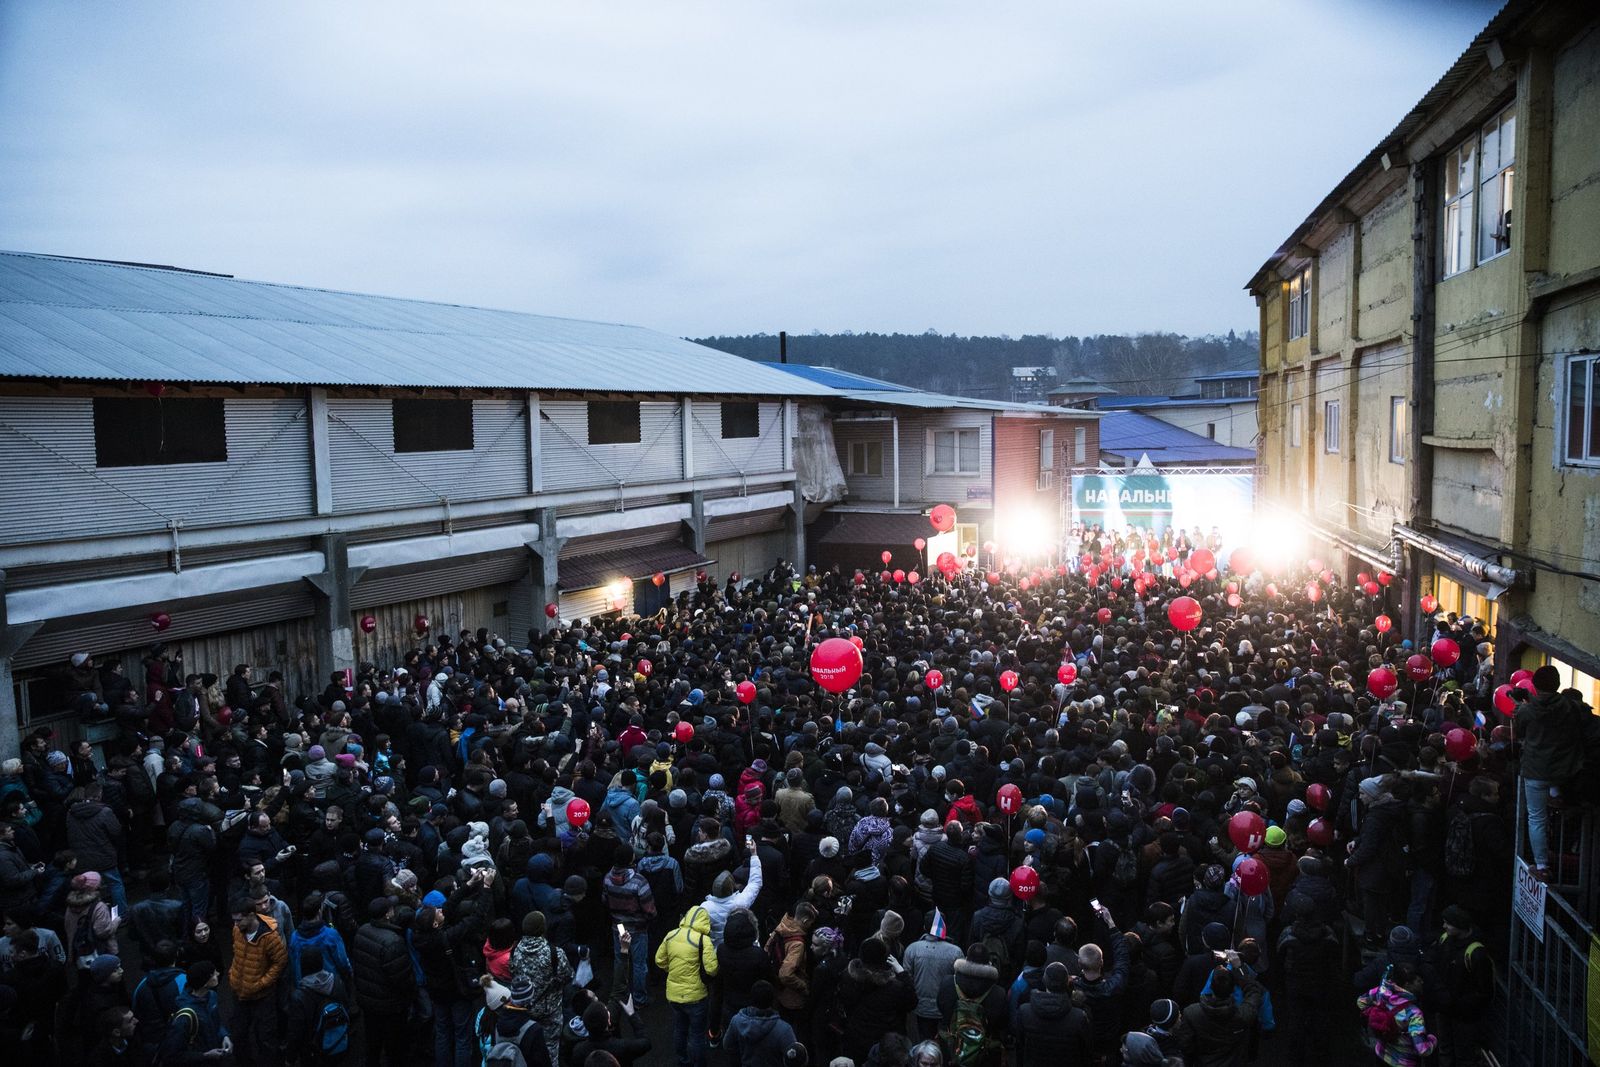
point(316, 752)
point(1276, 836)
point(999, 891)
point(521, 993)
point(1141, 1050)
point(434, 899)
point(1402, 939)
point(533, 924)
point(1214, 877)
point(677, 799)
point(1215, 936)
point(56, 758)
point(1370, 788)
point(874, 953)
point(930, 819)
point(87, 880)
point(345, 761)
point(497, 788)
point(1457, 916)
point(829, 847)
point(495, 995)
point(722, 886)
point(796, 1056)
point(1297, 807)
point(475, 853)
point(104, 967)
point(404, 879)
point(1163, 1012)
point(80, 658)
point(716, 781)
point(892, 925)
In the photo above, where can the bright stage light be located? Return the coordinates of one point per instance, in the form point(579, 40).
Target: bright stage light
point(1278, 539)
point(1025, 533)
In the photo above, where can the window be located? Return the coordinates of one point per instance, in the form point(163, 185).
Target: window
point(1300, 304)
point(1241, 387)
point(1047, 450)
point(1080, 445)
point(866, 458)
point(1296, 427)
point(613, 422)
point(153, 432)
point(1479, 178)
point(741, 419)
point(1330, 426)
point(433, 425)
point(1211, 430)
point(955, 452)
point(1583, 411)
point(1397, 429)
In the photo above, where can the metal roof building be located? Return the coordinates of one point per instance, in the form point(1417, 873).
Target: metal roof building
point(94, 320)
point(1127, 435)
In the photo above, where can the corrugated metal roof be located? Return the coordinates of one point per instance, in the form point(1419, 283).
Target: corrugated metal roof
point(867, 390)
point(885, 529)
point(1249, 372)
point(88, 319)
point(1128, 433)
point(586, 572)
point(1141, 402)
point(839, 379)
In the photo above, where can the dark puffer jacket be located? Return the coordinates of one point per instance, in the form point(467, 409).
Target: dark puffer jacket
point(875, 1001)
point(1050, 1031)
point(384, 978)
point(1216, 1031)
point(94, 833)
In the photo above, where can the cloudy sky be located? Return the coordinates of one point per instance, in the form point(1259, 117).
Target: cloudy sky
point(713, 167)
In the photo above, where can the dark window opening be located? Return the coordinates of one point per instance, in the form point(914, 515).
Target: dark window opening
point(140, 432)
point(433, 425)
point(740, 419)
point(613, 422)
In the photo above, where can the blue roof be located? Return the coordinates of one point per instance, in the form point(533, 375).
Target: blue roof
point(839, 379)
point(1142, 402)
point(1250, 373)
point(1128, 433)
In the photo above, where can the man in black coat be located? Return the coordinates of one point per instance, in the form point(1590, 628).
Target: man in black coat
point(385, 983)
point(1216, 1031)
point(1050, 1029)
point(949, 867)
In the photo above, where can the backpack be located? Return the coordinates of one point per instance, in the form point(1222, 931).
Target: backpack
point(330, 1035)
point(967, 1037)
point(1381, 1020)
point(999, 952)
point(1125, 872)
point(778, 948)
point(1459, 851)
point(507, 1051)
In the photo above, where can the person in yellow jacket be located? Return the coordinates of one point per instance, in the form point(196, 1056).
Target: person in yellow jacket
point(690, 960)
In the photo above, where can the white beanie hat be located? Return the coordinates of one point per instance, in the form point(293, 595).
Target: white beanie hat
point(829, 847)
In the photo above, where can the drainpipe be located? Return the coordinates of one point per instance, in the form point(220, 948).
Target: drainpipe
point(1498, 578)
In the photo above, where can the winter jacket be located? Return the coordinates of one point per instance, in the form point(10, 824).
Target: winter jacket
point(1411, 1041)
point(155, 998)
point(628, 898)
point(793, 807)
point(311, 995)
point(1551, 731)
point(787, 945)
point(195, 1029)
point(719, 908)
point(258, 961)
point(874, 834)
point(949, 871)
point(94, 833)
point(17, 879)
point(874, 1002)
point(1171, 879)
point(1379, 858)
point(1203, 906)
point(314, 933)
point(929, 961)
point(684, 954)
point(621, 807)
point(702, 862)
point(192, 841)
point(758, 1038)
point(385, 980)
point(1050, 1031)
point(537, 960)
point(1308, 953)
point(1215, 1032)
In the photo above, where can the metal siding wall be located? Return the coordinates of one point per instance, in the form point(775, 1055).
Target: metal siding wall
point(367, 472)
point(753, 522)
point(749, 556)
point(47, 459)
point(570, 462)
point(714, 455)
point(586, 603)
point(447, 613)
point(642, 537)
point(861, 486)
point(391, 585)
point(289, 646)
point(948, 488)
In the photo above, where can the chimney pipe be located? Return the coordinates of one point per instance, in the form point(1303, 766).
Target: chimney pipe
point(783, 346)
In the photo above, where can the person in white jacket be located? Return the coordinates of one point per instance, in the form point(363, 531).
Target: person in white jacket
point(723, 900)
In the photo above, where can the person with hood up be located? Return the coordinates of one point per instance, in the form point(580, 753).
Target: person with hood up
point(741, 963)
point(756, 1036)
point(690, 960)
point(192, 841)
point(1394, 1020)
point(709, 855)
point(961, 806)
point(1215, 1031)
point(1141, 1050)
point(747, 808)
point(536, 890)
point(1049, 1028)
point(998, 925)
point(841, 817)
point(873, 831)
point(95, 833)
point(725, 895)
point(874, 996)
point(553, 812)
point(632, 905)
point(311, 1027)
point(622, 804)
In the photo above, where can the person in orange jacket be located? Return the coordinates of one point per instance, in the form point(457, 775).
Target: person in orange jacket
point(259, 960)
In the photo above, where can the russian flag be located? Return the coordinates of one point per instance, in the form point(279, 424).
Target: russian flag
point(937, 928)
point(1480, 719)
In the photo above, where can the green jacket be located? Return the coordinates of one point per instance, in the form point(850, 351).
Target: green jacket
point(1551, 729)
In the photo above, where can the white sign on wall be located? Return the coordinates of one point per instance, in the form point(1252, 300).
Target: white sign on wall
point(1528, 899)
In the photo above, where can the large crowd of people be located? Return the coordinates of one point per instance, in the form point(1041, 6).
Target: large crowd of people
point(602, 848)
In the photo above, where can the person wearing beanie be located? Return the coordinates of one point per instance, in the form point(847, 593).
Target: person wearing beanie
point(1312, 884)
point(1207, 904)
point(1466, 969)
point(385, 982)
point(1215, 938)
point(950, 870)
point(546, 969)
point(756, 1036)
point(632, 906)
point(1164, 1025)
point(726, 895)
point(999, 926)
point(513, 1023)
point(874, 997)
point(103, 990)
point(1219, 1026)
point(595, 1027)
point(89, 928)
point(195, 1033)
point(794, 800)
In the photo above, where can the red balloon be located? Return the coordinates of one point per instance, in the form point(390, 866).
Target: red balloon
point(1313, 592)
point(1363, 578)
point(899, 576)
point(1234, 600)
point(1317, 796)
point(746, 691)
point(943, 518)
point(1172, 555)
point(1211, 575)
point(1504, 703)
point(885, 576)
point(160, 620)
point(1247, 831)
point(1009, 799)
point(1067, 673)
point(972, 550)
point(886, 556)
point(1313, 565)
point(578, 810)
point(1184, 613)
point(989, 547)
point(919, 544)
point(658, 579)
point(860, 579)
point(646, 668)
point(368, 624)
point(1024, 883)
point(1272, 588)
point(421, 624)
point(1253, 877)
point(1116, 583)
point(1459, 744)
point(1382, 683)
point(1370, 588)
point(1104, 615)
point(551, 611)
point(700, 575)
point(1201, 560)
point(1445, 652)
point(913, 577)
point(856, 640)
point(992, 578)
point(1384, 577)
point(1319, 833)
point(1382, 624)
point(934, 679)
point(1241, 561)
point(155, 389)
point(1430, 604)
point(1008, 680)
point(836, 664)
point(683, 733)
point(1327, 577)
point(1522, 679)
point(1185, 579)
point(1419, 667)
point(947, 561)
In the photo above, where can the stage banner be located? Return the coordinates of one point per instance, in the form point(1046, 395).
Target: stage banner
point(1156, 500)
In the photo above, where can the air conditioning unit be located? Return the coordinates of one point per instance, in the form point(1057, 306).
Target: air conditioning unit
point(1047, 478)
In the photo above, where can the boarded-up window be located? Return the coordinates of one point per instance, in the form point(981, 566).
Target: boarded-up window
point(433, 425)
point(150, 432)
point(613, 422)
point(740, 419)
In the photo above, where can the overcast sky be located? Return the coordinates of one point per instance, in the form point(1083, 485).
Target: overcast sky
point(717, 167)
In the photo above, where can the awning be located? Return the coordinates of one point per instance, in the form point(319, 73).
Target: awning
point(882, 528)
point(599, 568)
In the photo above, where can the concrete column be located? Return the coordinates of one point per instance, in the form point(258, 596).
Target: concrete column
point(336, 639)
point(12, 638)
point(546, 552)
point(695, 524)
point(686, 418)
point(321, 454)
point(894, 455)
point(795, 527)
point(535, 447)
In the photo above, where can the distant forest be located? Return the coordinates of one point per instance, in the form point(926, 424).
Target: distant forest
point(1146, 363)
